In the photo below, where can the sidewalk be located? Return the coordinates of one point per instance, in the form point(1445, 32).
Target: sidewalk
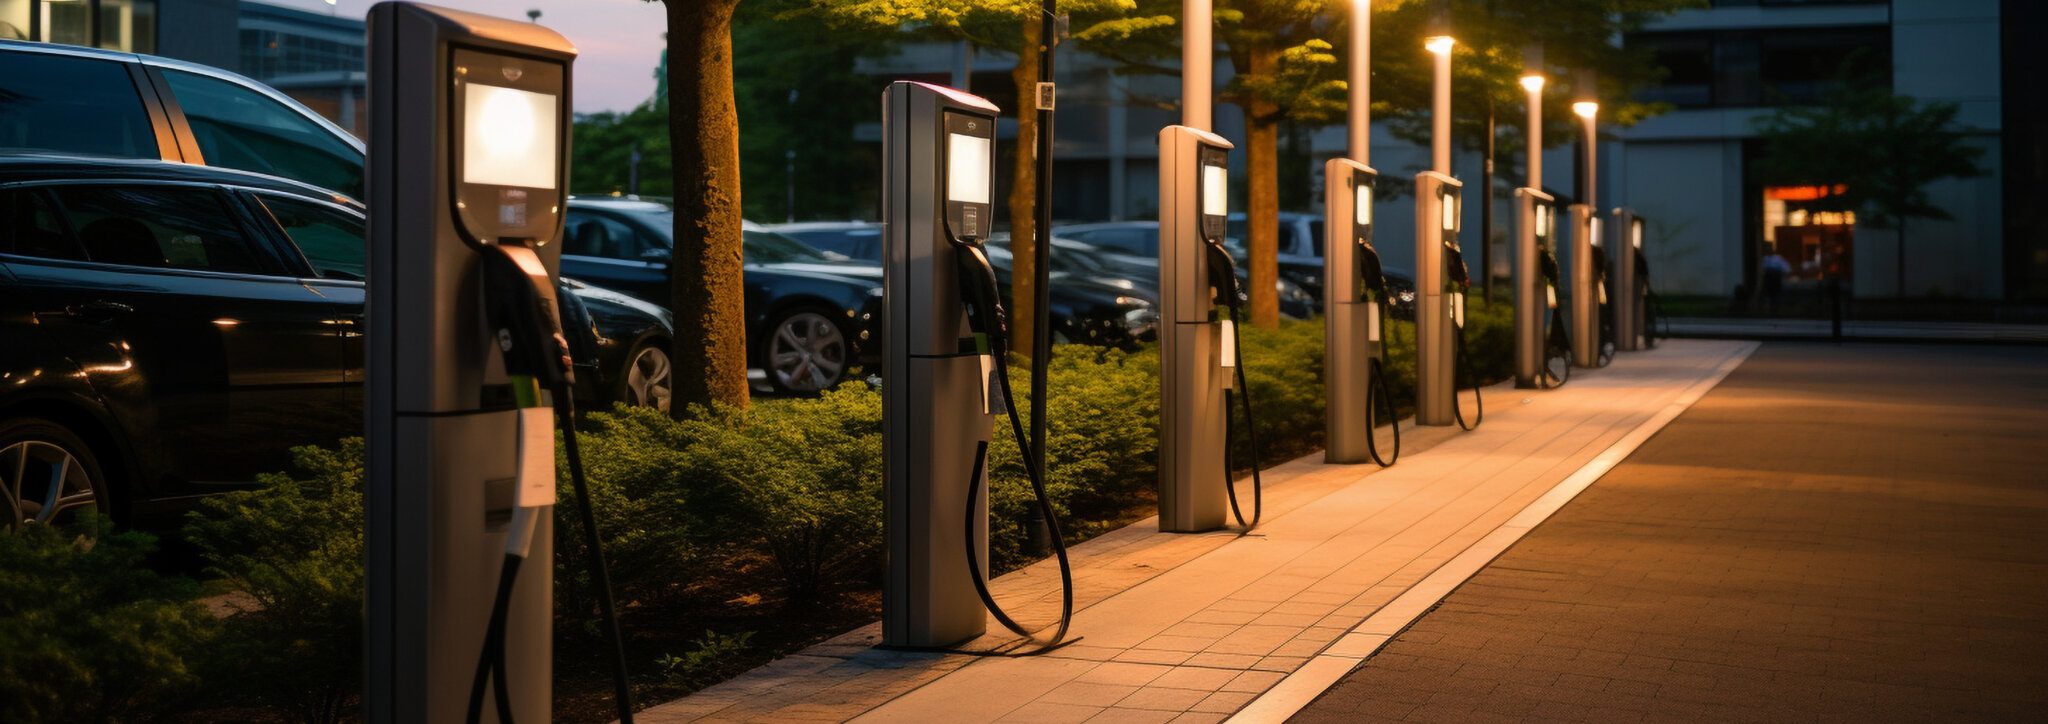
point(1195, 627)
point(1834, 533)
point(1852, 329)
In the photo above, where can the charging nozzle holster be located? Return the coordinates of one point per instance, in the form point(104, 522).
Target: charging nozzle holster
point(519, 305)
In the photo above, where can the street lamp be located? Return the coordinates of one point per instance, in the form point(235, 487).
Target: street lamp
point(1533, 83)
point(1440, 113)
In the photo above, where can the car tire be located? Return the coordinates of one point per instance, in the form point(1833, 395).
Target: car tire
point(46, 471)
point(648, 377)
point(806, 351)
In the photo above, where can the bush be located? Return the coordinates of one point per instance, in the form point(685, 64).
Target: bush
point(294, 547)
point(88, 632)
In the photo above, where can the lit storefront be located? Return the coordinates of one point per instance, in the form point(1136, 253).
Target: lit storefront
point(127, 25)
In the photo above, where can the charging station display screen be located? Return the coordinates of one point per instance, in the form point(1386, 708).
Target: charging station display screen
point(1361, 204)
point(1450, 208)
point(1215, 191)
point(508, 137)
point(969, 160)
point(1637, 237)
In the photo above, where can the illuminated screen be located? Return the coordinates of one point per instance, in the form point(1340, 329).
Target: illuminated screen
point(969, 160)
point(1638, 235)
point(508, 137)
point(1215, 191)
point(1450, 206)
point(1361, 204)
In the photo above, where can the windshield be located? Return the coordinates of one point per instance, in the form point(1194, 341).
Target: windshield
point(758, 247)
point(1064, 258)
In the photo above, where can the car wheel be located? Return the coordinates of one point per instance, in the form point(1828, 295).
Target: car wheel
point(807, 352)
point(648, 379)
point(45, 472)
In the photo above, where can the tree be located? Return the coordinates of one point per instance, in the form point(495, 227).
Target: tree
point(603, 149)
point(708, 291)
point(1285, 71)
point(1010, 25)
point(1881, 148)
point(800, 98)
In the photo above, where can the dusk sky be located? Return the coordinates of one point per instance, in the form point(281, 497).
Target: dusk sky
point(619, 41)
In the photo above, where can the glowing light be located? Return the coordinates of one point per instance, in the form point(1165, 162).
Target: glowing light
point(1440, 44)
point(1532, 83)
point(1586, 109)
point(508, 137)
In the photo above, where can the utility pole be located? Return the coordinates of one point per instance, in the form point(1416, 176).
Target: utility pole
point(1041, 263)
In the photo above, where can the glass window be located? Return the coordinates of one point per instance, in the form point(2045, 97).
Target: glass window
point(1134, 242)
point(67, 21)
point(29, 227)
point(330, 239)
point(128, 25)
point(1315, 237)
point(158, 226)
point(71, 105)
point(763, 247)
point(603, 237)
point(238, 127)
point(14, 19)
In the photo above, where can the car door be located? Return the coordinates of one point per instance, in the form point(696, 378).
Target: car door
point(604, 250)
point(238, 361)
point(322, 243)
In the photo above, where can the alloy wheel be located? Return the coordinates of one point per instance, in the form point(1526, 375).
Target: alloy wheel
point(807, 353)
point(39, 480)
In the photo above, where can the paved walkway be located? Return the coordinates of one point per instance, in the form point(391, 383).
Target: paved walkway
point(1847, 533)
point(1760, 328)
point(1195, 627)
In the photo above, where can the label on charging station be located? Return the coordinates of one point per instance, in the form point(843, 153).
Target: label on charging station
point(1550, 295)
point(1228, 343)
point(1458, 308)
point(1603, 293)
point(992, 402)
point(536, 484)
point(1372, 324)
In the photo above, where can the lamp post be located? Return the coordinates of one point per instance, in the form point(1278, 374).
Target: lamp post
point(1533, 83)
point(1197, 54)
point(1589, 138)
point(1360, 116)
point(1440, 105)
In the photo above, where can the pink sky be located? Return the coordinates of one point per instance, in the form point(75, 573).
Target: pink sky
point(619, 41)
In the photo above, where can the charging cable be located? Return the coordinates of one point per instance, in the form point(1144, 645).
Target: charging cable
point(1223, 278)
point(990, 327)
point(1454, 263)
point(1377, 396)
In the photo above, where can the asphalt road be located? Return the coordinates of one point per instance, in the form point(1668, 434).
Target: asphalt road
point(1835, 532)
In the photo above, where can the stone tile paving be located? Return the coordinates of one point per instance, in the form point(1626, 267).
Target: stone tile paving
point(1191, 627)
point(1853, 532)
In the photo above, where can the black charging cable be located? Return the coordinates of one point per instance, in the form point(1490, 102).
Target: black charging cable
point(1557, 340)
point(987, 320)
point(1377, 395)
point(601, 578)
point(1454, 263)
point(1223, 278)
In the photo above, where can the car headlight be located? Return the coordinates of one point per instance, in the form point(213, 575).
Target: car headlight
point(1133, 302)
point(875, 292)
point(1141, 320)
point(1292, 292)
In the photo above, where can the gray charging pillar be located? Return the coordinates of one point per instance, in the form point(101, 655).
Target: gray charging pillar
point(1535, 224)
point(1587, 293)
point(937, 180)
point(1351, 314)
point(468, 145)
point(1193, 195)
point(1436, 225)
point(1626, 244)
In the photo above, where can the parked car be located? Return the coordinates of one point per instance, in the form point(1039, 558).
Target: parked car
point(168, 330)
point(860, 240)
point(1086, 305)
point(1299, 249)
point(1121, 242)
point(810, 317)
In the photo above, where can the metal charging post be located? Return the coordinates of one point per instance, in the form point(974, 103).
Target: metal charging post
point(1436, 225)
point(1626, 244)
point(937, 403)
point(1586, 288)
point(469, 121)
point(1535, 220)
point(1351, 315)
point(1193, 367)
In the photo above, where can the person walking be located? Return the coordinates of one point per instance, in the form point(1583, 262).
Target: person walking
point(1775, 270)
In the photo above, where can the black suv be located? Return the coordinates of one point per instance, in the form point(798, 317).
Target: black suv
point(169, 330)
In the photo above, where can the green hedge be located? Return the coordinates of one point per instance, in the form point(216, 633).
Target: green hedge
point(782, 499)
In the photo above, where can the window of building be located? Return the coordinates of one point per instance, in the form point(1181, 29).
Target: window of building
point(14, 19)
point(128, 25)
point(66, 21)
point(72, 105)
point(238, 127)
point(1769, 67)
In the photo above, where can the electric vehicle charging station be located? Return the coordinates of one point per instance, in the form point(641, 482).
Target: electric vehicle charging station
point(937, 401)
point(1439, 300)
point(1535, 293)
point(467, 175)
point(1196, 350)
point(1628, 292)
point(1354, 308)
point(1589, 291)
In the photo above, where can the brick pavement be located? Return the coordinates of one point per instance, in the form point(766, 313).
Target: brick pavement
point(1853, 532)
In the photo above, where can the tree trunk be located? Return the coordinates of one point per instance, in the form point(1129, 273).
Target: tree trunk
point(707, 292)
point(1262, 191)
point(1023, 193)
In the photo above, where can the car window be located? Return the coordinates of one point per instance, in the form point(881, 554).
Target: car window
point(238, 127)
point(29, 226)
point(1134, 242)
point(158, 226)
point(601, 236)
point(1315, 237)
point(71, 105)
point(331, 239)
point(767, 247)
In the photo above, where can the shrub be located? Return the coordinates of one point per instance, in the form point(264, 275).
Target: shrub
point(87, 631)
point(294, 547)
